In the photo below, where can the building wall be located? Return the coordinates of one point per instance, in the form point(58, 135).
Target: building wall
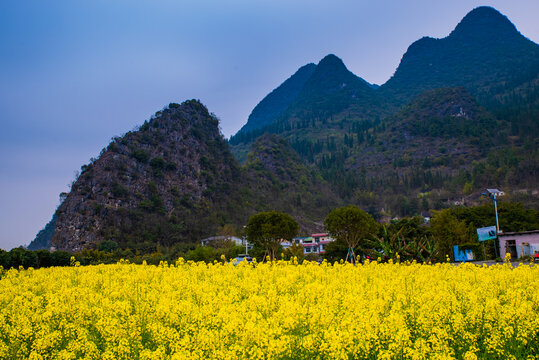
point(520, 240)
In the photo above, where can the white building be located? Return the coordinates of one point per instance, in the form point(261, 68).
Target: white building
point(519, 244)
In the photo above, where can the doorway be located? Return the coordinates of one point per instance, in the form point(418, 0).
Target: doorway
point(511, 248)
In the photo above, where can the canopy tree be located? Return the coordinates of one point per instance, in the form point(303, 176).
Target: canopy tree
point(350, 224)
point(268, 229)
point(449, 231)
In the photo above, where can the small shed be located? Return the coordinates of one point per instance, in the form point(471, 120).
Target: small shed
point(519, 244)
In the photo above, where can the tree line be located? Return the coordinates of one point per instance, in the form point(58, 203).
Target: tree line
point(358, 237)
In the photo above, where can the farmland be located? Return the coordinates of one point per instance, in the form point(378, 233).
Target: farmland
point(274, 310)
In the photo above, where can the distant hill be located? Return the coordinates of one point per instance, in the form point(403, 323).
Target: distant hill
point(330, 89)
point(281, 180)
point(269, 109)
point(451, 113)
point(460, 113)
point(174, 180)
point(485, 54)
point(44, 236)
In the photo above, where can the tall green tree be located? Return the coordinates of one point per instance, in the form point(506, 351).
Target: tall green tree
point(449, 231)
point(351, 225)
point(268, 229)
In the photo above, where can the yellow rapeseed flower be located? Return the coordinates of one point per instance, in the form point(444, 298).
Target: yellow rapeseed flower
point(273, 310)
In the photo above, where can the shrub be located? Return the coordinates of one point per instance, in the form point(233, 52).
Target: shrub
point(108, 246)
point(119, 191)
point(140, 155)
point(43, 258)
point(60, 258)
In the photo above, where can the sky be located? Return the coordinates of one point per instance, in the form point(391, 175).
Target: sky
point(74, 74)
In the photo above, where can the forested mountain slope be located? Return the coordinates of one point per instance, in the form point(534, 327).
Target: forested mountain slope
point(460, 114)
point(278, 100)
point(485, 54)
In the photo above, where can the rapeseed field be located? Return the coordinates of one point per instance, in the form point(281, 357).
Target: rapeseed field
point(275, 310)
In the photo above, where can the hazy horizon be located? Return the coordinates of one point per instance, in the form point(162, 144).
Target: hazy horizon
point(77, 74)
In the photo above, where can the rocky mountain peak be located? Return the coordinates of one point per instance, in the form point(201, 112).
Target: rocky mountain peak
point(484, 22)
point(331, 61)
point(332, 72)
point(271, 106)
point(157, 179)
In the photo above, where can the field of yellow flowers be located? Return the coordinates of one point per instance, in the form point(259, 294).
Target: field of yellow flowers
point(276, 310)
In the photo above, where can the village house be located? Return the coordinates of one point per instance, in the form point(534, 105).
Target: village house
point(519, 244)
point(314, 244)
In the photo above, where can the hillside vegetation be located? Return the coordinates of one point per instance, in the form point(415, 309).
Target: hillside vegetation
point(174, 180)
point(460, 114)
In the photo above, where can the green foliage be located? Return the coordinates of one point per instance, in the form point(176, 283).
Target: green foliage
point(145, 126)
point(107, 246)
point(211, 254)
point(203, 253)
point(21, 257)
point(44, 258)
point(108, 252)
point(27, 258)
point(512, 216)
point(404, 240)
point(450, 113)
point(158, 165)
point(449, 231)
point(119, 191)
point(268, 229)
point(60, 258)
point(295, 250)
point(325, 94)
point(338, 250)
point(141, 155)
point(351, 225)
point(278, 179)
point(410, 227)
point(512, 166)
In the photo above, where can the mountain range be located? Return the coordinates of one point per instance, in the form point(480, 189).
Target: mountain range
point(459, 114)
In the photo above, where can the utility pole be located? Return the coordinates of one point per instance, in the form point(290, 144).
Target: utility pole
point(246, 242)
point(496, 212)
point(492, 194)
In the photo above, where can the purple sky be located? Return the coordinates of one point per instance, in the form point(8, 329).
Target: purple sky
point(73, 74)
